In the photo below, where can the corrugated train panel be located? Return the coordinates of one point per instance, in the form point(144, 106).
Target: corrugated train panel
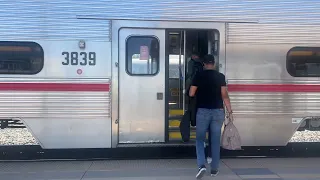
point(294, 104)
point(273, 33)
point(265, 11)
point(88, 105)
point(31, 19)
point(55, 104)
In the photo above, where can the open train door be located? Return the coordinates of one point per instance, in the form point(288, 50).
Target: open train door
point(141, 85)
point(141, 73)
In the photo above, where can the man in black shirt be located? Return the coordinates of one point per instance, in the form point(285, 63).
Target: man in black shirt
point(210, 88)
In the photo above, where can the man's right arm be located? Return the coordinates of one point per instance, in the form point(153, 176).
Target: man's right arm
point(225, 95)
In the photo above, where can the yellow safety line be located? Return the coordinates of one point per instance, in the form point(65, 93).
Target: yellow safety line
point(177, 135)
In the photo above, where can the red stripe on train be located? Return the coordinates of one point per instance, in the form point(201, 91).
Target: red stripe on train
point(106, 87)
point(273, 88)
point(54, 87)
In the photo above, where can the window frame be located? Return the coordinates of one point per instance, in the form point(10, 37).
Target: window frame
point(126, 55)
point(300, 48)
point(24, 44)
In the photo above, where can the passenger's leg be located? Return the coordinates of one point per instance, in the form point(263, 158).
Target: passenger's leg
point(203, 120)
point(215, 127)
point(209, 159)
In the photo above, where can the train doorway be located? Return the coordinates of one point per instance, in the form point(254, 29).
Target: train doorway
point(181, 46)
point(149, 60)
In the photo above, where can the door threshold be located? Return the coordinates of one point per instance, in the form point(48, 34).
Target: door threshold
point(168, 144)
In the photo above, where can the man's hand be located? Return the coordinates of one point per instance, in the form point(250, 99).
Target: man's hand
point(230, 116)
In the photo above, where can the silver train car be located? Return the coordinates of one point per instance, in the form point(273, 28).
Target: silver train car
point(107, 73)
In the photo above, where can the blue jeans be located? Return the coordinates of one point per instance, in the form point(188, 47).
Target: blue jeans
point(214, 119)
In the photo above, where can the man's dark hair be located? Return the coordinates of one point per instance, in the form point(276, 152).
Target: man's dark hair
point(194, 53)
point(208, 59)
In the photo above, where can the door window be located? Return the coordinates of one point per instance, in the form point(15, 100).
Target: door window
point(142, 55)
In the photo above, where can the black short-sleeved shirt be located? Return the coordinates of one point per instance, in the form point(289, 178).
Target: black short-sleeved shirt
point(209, 84)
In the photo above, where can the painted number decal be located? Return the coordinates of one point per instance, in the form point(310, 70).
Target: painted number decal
point(76, 58)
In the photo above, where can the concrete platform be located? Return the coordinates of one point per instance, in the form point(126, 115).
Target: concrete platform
point(231, 169)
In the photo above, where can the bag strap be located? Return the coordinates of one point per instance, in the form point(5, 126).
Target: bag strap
point(229, 118)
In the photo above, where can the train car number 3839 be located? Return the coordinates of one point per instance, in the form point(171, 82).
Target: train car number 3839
point(79, 58)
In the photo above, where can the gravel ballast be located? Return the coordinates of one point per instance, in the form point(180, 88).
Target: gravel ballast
point(24, 137)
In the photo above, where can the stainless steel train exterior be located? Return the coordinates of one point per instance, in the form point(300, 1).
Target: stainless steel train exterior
point(76, 90)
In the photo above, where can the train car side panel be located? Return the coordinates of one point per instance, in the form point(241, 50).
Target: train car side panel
point(265, 97)
point(65, 105)
point(67, 114)
point(65, 59)
point(68, 60)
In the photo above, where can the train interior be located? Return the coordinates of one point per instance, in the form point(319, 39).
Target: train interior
point(181, 45)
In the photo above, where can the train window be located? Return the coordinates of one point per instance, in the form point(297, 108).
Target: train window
point(20, 58)
point(304, 62)
point(142, 55)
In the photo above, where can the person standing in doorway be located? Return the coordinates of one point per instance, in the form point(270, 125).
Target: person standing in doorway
point(210, 88)
point(194, 66)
